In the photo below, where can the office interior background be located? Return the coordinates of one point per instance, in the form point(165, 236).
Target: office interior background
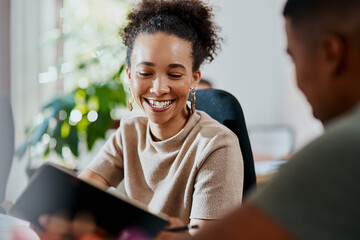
point(253, 66)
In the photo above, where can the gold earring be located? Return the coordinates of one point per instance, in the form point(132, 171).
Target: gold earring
point(130, 100)
point(193, 99)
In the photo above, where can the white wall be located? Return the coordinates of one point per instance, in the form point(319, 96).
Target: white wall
point(254, 67)
point(5, 47)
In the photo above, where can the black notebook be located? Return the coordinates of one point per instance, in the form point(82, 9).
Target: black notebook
point(54, 189)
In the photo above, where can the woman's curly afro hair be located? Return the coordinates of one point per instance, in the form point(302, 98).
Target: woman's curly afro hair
point(187, 19)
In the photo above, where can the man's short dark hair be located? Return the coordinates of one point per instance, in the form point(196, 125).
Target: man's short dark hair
point(315, 17)
point(305, 10)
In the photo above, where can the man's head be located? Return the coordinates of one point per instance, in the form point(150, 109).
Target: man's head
point(324, 42)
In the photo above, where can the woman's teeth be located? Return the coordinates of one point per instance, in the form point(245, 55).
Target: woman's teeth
point(159, 104)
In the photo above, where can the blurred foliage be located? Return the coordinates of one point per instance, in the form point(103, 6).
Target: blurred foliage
point(93, 49)
point(91, 69)
point(83, 114)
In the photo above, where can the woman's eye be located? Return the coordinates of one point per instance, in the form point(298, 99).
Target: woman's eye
point(144, 74)
point(176, 75)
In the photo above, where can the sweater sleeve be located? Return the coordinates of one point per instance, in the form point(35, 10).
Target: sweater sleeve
point(219, 182)
point(108, 163)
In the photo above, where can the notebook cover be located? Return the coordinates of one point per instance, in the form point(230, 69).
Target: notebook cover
point(54, 189)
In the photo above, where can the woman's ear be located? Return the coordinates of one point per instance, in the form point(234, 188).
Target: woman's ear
point(196, 78)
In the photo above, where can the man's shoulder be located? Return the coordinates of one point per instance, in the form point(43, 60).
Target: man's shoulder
point(315, 182)
point(340, 136)
point(340, 142)
point(347, 126)
point(338, 148)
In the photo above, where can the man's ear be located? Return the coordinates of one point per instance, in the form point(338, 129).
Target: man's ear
point(334, 52)
point(196, 78)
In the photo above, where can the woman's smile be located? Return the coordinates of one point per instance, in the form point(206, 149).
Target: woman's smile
point(159, 105)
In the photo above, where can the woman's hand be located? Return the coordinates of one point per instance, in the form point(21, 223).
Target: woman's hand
point(82, 227)
point(57, 227)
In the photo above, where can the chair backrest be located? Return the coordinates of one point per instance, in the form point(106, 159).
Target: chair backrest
point(225, 108)
point(6, 145)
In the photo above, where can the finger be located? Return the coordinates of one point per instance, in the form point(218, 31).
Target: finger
point(83, 224)
point(37, 230)
point(84, 227)
point(56, 226)
point(44, 220)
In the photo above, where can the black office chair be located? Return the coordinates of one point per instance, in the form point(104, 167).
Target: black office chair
point(225, 108)
point(6, 146)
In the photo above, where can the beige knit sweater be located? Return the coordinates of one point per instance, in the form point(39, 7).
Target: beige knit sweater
point(198, 173)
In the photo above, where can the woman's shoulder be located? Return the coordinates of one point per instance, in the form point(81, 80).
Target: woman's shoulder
point(131, 122)
point(209, 126)
point(134, 119)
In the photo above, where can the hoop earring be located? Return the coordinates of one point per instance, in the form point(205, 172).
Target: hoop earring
point(193, 99)
point(130, 100)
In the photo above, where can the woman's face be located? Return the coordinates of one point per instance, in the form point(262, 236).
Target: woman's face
point(161, 77)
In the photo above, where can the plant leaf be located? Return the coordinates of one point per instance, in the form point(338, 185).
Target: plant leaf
point(20, 151)
point(40, 130)
point(73, 141)
point(96, 130)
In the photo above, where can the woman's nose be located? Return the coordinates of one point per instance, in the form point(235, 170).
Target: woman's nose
point(160, 86)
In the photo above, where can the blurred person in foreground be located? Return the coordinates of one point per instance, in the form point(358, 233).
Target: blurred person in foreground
point(317, 194)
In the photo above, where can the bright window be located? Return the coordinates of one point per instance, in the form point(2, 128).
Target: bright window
point(58, 45)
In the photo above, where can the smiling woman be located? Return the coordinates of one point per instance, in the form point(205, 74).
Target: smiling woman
point(160, 78)
point(176, 160)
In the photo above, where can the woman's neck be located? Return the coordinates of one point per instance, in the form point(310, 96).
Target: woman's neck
point(162, 132)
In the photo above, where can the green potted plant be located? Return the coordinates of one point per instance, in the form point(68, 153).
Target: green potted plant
point(83, 115)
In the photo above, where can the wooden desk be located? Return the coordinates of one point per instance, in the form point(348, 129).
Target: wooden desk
point(13, 228)
point(262, 179)
point(266, 169)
